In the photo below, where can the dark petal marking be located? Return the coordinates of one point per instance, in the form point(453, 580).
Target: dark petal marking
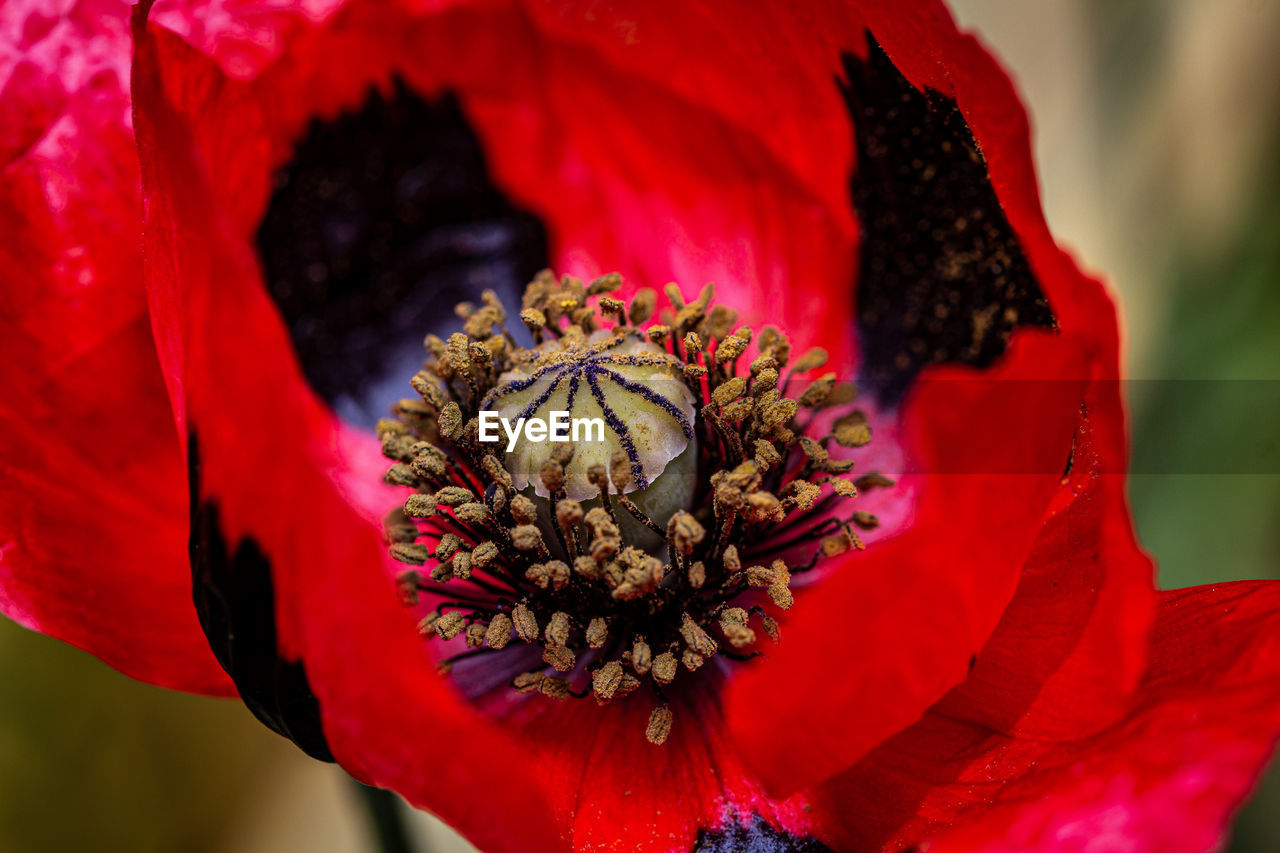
point(619, 428)
point(756, 837)
point(235, 601)
point(942, 277)
point(383, 219)
point(653, 397)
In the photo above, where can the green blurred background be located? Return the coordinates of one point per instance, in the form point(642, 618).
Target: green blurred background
point(1157, 131)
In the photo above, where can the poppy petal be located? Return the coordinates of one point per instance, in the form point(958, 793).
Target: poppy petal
point(1165, 777)
point(92, 504)
point(604, 775)
point(1072, 646)
point(296, 495)
point(939, 588)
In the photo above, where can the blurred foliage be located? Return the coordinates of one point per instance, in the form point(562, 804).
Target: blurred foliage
point(1224, 325)
point(1202, 528)
point(90, 760)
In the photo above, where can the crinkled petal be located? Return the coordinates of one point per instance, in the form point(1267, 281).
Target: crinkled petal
point(93, 541)
point(1166, 777)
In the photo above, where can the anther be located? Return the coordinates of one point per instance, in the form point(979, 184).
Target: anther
point(498, 634)
point(449, 624)
point(526, 623)
point(606, 680)
point(558, 627)
point(641, 656)
point(696, 638)
point(412, 553)
point(420, 506)
point(556, 687)
point(446, 547)
point(559, 658)
point(659, 727)
point(454, 496)
point(597, 632)
point(523, 510)
point(664, 668)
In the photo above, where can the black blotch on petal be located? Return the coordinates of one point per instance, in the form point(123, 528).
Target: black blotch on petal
point(756, 837)
point(381, 222)
point(942, 277)
point(235, 601)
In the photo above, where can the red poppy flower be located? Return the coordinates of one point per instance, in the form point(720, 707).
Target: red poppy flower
point(194, 493)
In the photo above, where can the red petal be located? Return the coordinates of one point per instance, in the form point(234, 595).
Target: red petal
point(284, 474)
point(93, 503)
point(890, 631)
point(1165, 778)
point(610, 786)
point(1072, 645)
point(888, 635)
point(729, 163)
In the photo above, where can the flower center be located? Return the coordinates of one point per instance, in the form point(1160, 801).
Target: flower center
point(632, 557)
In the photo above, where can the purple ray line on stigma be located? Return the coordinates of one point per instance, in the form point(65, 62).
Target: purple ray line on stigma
point(653, 397)
point(573, 388)
point(517, 385)
point(542, 398)
point(619, 428)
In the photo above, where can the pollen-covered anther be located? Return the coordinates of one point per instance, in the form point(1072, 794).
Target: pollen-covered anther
point(844, 488)
point(695, 637)
point(525, 622)
point(558, 628)
point(449, 624)
point(523, 510)
point(552, 475)
point(697, 574)
point(606, 680)
point(559, 658)
point(407, 584)
point(641, 656)
point(641, 574)
point(413, 553)
point(852, 430)
point(446, 547)
point(473, 514)
point(762, 507)
point(498, 632)
point(527, 537)
point(664, 668)
point(454, 496)
point(527, 682)
point(733, 624)
point(659, 727)
point(631, 559)
point(420, 506)
point(597, 633)
point(556, 687)
point(684, 532)
point(484, 554)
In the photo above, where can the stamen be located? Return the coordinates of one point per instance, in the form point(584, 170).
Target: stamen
point(630, 559)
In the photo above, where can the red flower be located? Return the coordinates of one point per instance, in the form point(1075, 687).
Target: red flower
point(994, 671)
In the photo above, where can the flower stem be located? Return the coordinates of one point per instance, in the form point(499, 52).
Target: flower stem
point(387, 817)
